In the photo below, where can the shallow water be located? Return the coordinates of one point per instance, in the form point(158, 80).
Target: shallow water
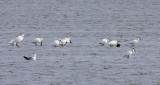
point(83, 62)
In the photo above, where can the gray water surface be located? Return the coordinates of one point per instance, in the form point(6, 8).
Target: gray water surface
point(83, 62)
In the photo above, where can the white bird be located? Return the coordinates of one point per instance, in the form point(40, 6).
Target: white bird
point(12, 42)
point(103, 42)
point(63, 42)
point(114, 43)
point(129, 53)
point(38, 40)
point(17, 40)
point(135, 41)
point(68, 40)
point(56, 43)
point(30, 58)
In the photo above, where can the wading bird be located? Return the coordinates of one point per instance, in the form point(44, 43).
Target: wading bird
point(129, 53)
point(17, 40)
point(114, 43)
point(135, 41)
point(38, 40)
point(103, 42)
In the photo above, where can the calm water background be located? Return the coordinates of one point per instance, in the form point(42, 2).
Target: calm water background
point(83, 62)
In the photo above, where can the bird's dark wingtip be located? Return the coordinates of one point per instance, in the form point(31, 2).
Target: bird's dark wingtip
point(26, 57)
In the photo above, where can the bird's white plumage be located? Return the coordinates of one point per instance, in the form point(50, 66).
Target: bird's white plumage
point(56, 43)
point(12, 42)
point(135, 41)
point(17, 40)
point(38, 40)
point(68, 40)
point(113, 42)
point(129, 53)
point(103, 42)
point(63, 42)
point(34, 56)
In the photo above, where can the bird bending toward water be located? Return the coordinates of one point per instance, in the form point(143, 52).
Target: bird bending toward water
point(17, 40)
point(113, 43)
point(63, 42)
point(56, 43)
point(38, 40)
point(103, 42)
point(68, 40)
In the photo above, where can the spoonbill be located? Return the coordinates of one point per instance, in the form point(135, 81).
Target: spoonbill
point(38, 40)
point(135, 41)
point(129, 53)
point(17, 40)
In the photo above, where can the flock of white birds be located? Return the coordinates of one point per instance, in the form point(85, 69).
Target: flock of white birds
point(115, 43)
point(64, 41)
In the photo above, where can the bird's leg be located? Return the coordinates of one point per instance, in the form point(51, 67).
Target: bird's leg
point(128, 56)
point(17, 45)
point(41, 43)
point(35, 44)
